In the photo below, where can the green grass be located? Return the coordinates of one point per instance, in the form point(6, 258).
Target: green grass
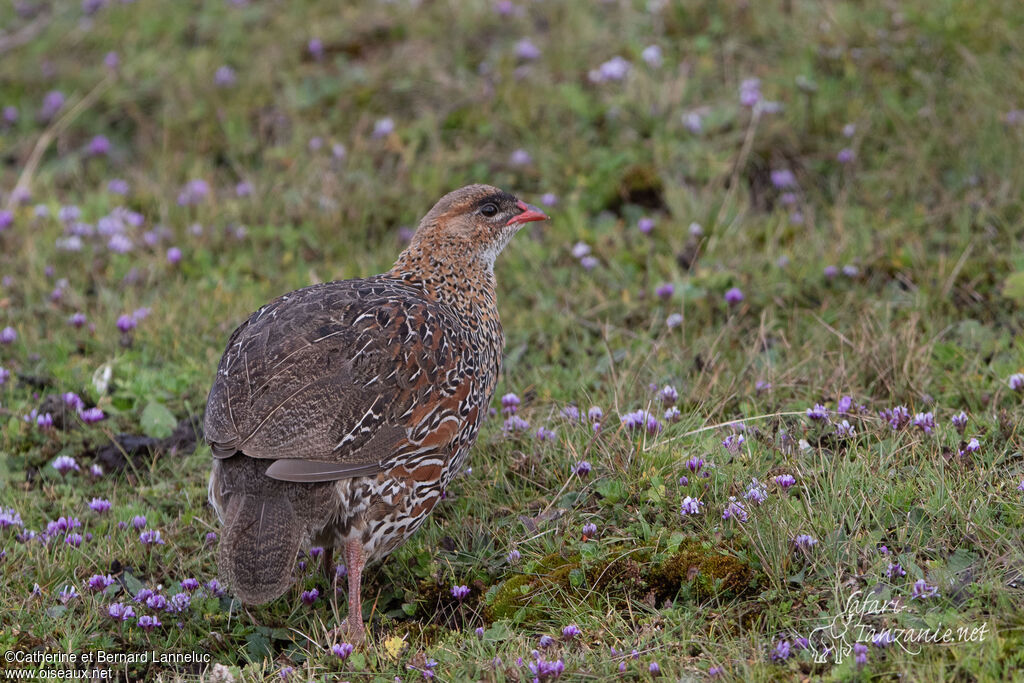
point(930, 212)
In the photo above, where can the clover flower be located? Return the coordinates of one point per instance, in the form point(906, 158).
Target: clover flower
point(460, 593)
point(581, 468)
point(690, 506)
point(9, 517)
point(120, 612)
point(733, 442)
point(897, 417)
point(756, 492)
point(8, 335)
point(735, 509)
point(895, 571)
point(860, 654)
point(640, 419)
point(672, 414)
point(589, 530)
point(1016, 381)
point(139, 522)
point(155, 601)
point(785, 480)
point(925, 422)
point(342, 650)
point(309, 597)
point(150, 537)
point(959, 421)
point(92, 415)
point(734, 296)
point(148, 623)
point(844, 430)
point(805, 541)
point(99, 582)
point(514, 556)
point(515, 424)
point(673, 321)
point(781, 652)
point(545, 434)
point(66, 594)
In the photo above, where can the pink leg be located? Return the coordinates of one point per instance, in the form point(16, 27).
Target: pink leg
point(354, 564)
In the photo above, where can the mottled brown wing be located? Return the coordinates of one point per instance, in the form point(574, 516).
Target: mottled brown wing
point(324, 379)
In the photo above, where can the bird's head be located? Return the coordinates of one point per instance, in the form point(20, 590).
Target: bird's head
point(473, 223)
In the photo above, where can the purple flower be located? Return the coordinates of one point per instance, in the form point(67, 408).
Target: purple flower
point(672, 414)
point(6, 219)
point(65, 464)
point(225, 77)
point(545, 434)
point(845, 156)
point(8, 335)
point(973, 446)
point(73, 539)
point(99, 582)
point(785, 480)
point(10, 114)
point(179, 602)
point(526, 50)
point(580, 249)
point(111, 60)
point(150, 537)
point(805, 541)
point(691, 506)
point(695, 464)
point(615, 69)
point(645, 225)
point(844, 405)
point(1020, 487)
point(665, 290)
point(571, 413)
point(479, 631)
point(342, 650)
point(139, 522)
point(544, 670)
point(155, 601)
point(668, 394)
point(520, 157)
point(581, 468)
point(53, 101)
point(781, 652)
point(316, 48)
point(925, 422)
point(515, 424)
point(510, 404)
point(126, 323)
point(652, 55)
point(750, 92)
point(514, 556)
point(549, 199)
point(735, 509)
point(545, 642)
point(896, 417)
point(895, 571)
point(715, 672)
point(92, 415)
point(849, 130)
point(883, 639)
point(860, 654)
point(66, 594)
point(193, 192)
point(673, 321)
point(118, 186)
point(595, 414)
point(589, 530)
point(783, 178)
point(844, 430)
point(734, 296)
point(309, 597)
point(100, 505)
point(571, 631)
point(460, 593)
point(98, 146)
point(1016, 381)
point(174, 255)
point(693, 122)
point(818, 413)
point(959, 421)
point(589, 262)
point(755, 492)
point(189, 584)
point(733, 442)
point(120, 612)
point(383, 128)
point(9, 517)
point(148, 623)
point(850, 270)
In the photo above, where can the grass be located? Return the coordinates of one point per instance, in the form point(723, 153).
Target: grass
point(928, 213)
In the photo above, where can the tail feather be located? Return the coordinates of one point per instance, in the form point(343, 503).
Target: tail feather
point(259, 547)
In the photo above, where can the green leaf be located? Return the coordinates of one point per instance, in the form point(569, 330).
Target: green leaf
point(576, 578)
point(674, 541)
point(257, 646)
point(131, 584)
point(612, 490)
point(157, 421)
point(409, 608)
point(1013, 287)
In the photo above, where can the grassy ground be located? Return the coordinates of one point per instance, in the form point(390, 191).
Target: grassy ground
point(868, 207)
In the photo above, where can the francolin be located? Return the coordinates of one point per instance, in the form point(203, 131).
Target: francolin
point(341, 411)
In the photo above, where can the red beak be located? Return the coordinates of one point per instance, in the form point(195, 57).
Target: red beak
point(530, 213)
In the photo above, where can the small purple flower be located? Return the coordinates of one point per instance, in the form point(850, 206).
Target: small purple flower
point(973, 446)
point(589, 262)
point(665, 290)
point(615, 69)
point(1016, 381)
point(818, 413)
point(316, 48)
point(73, 539)
point(383, 128)
point(640, 419)
point(781, 652)
point(783, 178)
point(526, 50)
point(154, 601)
point(65, 464)
point(895, 571)
point(99, 505)
point(785, 480)
point(10, 114)
point(118, 186)
point(120, 612)
point(672, 414)
point(860, 654)
point(571, 631)
point(755, 492)
point(148, 623)
point(126, 323)
point(545, 642)
point(342, 650)
point(734, 296)
point(581, 468)
point(515, 424)
point(66, 594)
point(589, 530)
point(98, 146)
point(139, 522)
point(735, 509)
point(479, 632)
point(580, 249)
point(645, 225)
point(925, 422)
point(883, 639)
point(733, 442)
point(715, 671)
point(179, 602)
point(845, 156)
point(850, 270)
point(896, 417)
point(189, 584)
point(309, 597)
point(844, 405)
point(844, 430)
point(571, 413)
point(8, 335)
point(673, 321)
point(174, 255)
point(150, 537)
point(53, 101)
point(510, 404)
point(193, 192)
point(750, 92)
point(520, 157)
point(690, 506)
point(549, 199)
point(9, 517)
point(595, 414)
point(514, 556)
point(92, 415)
point(225, 77)
point(652, 55)
point(959, 421)
point(6, 219)
point(99, 582)
point(144, 595)
point(668, 394)
point(849, 130)
point(805, 541)
point(695, 464)
point(460, 593)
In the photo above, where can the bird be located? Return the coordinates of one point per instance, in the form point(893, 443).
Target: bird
point(340, 412)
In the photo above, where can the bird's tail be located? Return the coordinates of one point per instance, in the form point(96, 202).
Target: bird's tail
point(259, 546)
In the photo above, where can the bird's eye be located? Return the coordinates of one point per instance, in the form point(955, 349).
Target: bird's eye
point(489, 210)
